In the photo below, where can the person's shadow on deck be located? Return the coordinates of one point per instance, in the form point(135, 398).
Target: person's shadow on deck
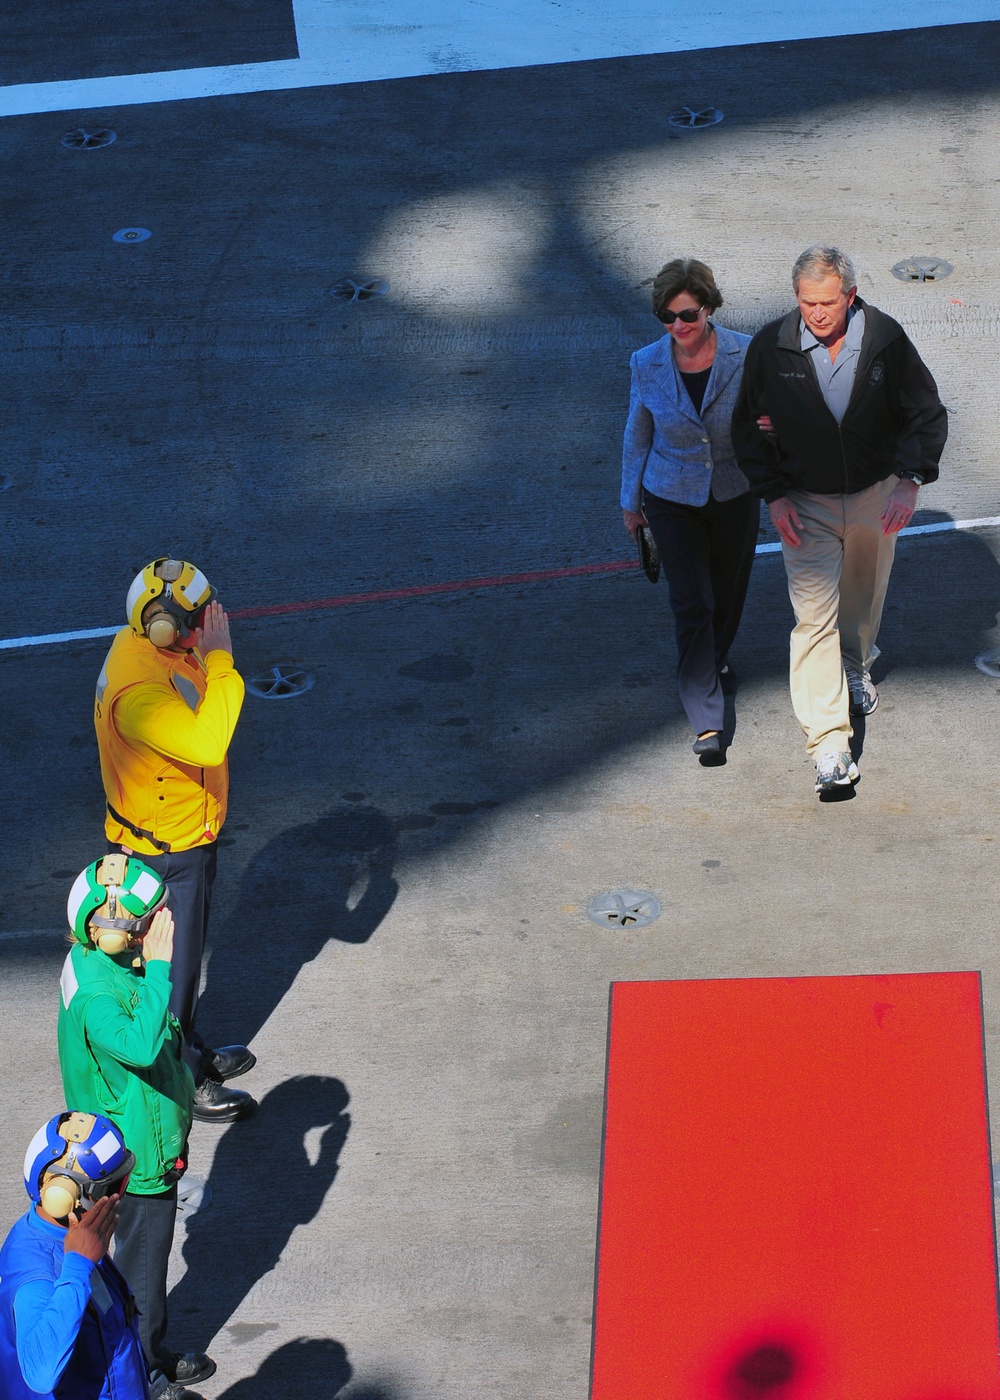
point(316, 1367)
point(331, 878)
point(264, 1183)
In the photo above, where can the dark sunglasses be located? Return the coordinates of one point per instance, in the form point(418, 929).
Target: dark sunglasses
point(689, 316)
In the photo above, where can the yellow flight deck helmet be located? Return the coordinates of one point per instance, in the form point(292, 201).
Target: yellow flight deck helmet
point(181, 592)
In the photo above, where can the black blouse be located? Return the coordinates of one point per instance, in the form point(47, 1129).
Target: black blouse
point(696, 384)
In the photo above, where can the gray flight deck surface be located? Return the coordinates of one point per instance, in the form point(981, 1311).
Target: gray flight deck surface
point(400, 920)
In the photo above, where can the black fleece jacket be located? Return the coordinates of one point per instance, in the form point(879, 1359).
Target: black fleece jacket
point(894, 422)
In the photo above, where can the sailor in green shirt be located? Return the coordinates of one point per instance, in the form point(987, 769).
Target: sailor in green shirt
point(114, 1019)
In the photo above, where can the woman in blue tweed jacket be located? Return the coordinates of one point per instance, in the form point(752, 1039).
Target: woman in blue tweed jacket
point(679, 476)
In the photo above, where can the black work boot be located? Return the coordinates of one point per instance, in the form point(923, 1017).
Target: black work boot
point(214, 1103)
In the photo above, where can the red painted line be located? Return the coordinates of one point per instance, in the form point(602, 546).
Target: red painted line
point(423, 590)
point(796, 1199)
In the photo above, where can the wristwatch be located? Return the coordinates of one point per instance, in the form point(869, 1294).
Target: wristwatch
point(911, 476)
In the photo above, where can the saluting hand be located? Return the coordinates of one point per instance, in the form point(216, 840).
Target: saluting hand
point(158, 945)
point(90, 1232)
point(213, 634)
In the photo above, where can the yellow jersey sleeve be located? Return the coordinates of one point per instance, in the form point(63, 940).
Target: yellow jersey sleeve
point(156, 716)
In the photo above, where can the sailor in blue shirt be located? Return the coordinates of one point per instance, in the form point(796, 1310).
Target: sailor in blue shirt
point(67, 1318)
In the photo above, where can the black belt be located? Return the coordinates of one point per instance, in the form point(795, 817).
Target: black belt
point(162, 846)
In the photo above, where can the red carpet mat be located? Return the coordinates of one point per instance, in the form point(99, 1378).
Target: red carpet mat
point(796, 1201)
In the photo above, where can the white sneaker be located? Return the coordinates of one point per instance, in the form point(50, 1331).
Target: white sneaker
point(864, 696)
point(836, 770)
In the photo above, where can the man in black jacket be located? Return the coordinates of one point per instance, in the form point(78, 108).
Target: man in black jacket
point(837, 427)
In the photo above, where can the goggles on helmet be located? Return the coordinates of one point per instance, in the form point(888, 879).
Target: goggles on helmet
point(94, 1189)
point(187, 622)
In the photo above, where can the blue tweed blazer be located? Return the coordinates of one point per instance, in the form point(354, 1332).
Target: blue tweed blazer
point(668, 448)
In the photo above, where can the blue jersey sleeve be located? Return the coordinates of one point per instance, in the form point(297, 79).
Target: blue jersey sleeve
point(47, 1318)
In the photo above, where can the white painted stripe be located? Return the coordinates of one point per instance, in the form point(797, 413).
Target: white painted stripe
point(984, 522)
point(14, 935)
point(353, 41)
point(87, 635)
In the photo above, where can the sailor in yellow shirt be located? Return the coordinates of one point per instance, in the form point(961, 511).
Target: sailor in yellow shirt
point(168, 699)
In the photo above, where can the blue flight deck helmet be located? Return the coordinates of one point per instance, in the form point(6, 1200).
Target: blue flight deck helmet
point(74, 1160)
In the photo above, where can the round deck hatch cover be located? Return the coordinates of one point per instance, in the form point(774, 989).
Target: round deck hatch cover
point(694, 118)
point(625, 909)
point(989, 663)
point(83, 140)
point(359, 288)
point(928, 269)
point(280, 682)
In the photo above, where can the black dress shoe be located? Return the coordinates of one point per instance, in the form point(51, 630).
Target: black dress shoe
point(173, 1390)
point(192, 1366)
point(710, 744)
point(228, 1061)
point(214, 1103)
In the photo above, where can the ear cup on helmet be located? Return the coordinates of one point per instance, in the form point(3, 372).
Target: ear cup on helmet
point(59, 1196)
point(162, 630)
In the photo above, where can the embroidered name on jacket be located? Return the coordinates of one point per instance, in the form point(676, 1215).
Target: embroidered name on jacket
point(791, 374)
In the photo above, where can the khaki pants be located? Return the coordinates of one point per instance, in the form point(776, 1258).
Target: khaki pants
point(837, 579)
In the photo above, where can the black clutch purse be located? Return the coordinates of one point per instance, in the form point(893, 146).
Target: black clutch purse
point(649, 555)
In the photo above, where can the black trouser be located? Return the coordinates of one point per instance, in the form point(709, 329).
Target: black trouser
point(143, 1236)
point(707, 553)
point(190, 875)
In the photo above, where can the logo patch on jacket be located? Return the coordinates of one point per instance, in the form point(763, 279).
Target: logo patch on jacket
point(877, 374)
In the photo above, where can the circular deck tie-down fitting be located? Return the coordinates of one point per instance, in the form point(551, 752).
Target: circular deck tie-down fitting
point(83, 140)
point(929, 269)
point(625, 909)
point(132, 235)
point(280, 682)
point(694, 118)
point(989, 663)
point(359, 288)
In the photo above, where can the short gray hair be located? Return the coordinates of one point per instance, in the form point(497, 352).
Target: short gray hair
point(818, 262)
